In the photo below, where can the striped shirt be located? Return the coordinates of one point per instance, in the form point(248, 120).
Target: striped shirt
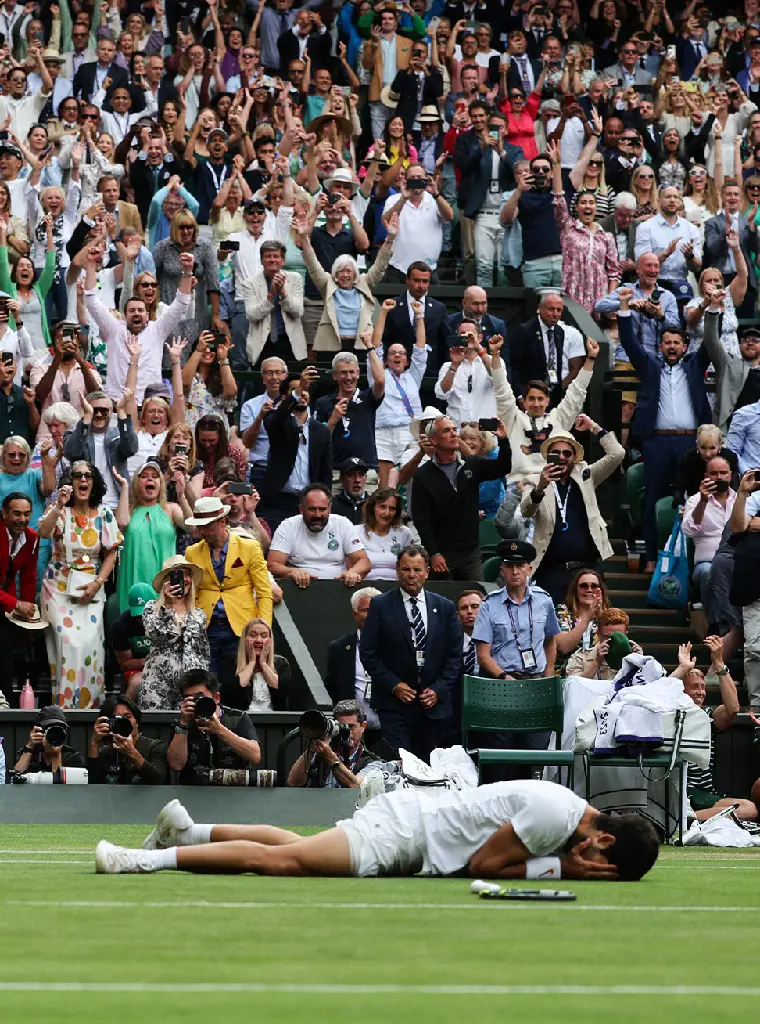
point(702, 778)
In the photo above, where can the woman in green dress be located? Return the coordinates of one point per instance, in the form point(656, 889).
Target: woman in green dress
point(149, 524)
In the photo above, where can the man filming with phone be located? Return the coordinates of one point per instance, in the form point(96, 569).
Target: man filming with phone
point(705, 517)
point(18, 412)
point(64, 374)
point(532, 205)
point(422, 213)
point(208, 736)
point(119, 754)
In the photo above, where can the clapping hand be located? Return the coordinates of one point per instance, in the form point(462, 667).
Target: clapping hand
point(121, 405)
point(177, 345)
point(685, 659)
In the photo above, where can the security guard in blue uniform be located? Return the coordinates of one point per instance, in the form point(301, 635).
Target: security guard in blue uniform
point(514, 633)
point(516, 626)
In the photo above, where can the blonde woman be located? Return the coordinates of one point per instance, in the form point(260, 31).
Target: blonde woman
point(693, 466)
point(176, 630)
point(149, 524)
point(184, 238)
point(644, 189)
point(262, 676)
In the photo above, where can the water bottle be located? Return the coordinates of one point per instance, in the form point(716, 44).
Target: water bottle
point(27, 701)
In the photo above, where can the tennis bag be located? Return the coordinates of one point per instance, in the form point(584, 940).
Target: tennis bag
point(670, 584)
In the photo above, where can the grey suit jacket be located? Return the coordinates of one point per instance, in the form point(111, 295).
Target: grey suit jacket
point(731, 372)
point(715, 250)
point(640, 76)
point(120, 442)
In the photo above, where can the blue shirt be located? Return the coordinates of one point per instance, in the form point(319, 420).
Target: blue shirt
point(656, 234)
point(347, 306)
point(494, 626)
point(218, 564)
point(675, 410)
point(645, 328)
point(744, 438)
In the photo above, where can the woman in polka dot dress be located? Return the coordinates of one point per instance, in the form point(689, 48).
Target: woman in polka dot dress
point(85, 538)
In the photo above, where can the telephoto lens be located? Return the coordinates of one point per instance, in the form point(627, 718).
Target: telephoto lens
point(262, 778)
point(56, 735)
point(119, 725)
point(205, 707)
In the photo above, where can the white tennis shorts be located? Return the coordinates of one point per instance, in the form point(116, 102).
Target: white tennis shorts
point(391, 443)
point(386, 837)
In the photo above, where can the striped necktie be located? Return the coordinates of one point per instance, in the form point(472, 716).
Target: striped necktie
point(418, 626)
point(469, 659)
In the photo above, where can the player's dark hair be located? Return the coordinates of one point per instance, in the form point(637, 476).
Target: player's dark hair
point(536, 385)
point(15, 496)
point(413, 550)
point(636, 844)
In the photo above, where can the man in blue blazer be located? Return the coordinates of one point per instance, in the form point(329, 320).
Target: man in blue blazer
point(411, 647)
point(672, 403)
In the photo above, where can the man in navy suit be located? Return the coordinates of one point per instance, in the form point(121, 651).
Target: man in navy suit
point(411, 646)
point(345, 676)
point(672, 403)
point(399, 324)
point(475, 307)
point(102, 76)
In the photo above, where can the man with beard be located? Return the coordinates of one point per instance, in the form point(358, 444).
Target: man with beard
point(151, 333)
point(349, 501)
point(67, 374)
point(532, 205)
point(317, 545)
point(234, 587)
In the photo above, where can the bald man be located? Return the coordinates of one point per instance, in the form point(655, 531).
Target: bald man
point(475, 307)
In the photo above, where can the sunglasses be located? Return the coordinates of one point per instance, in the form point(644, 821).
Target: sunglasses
point(646, 177)
point(542, 170)
point(596, 163)
point(752, 188)
point(565, 453)
point(81, 476)
point(90, 117)
point(629, 51)
point(589, 586)
point(99, 410)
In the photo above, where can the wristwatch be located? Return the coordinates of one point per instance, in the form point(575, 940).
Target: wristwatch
point(335, 765)
point(721, 671)
point(502, 675)
point(179, 727)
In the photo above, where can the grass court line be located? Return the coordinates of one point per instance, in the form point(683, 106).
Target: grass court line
point(327, 989)
point(474, 904)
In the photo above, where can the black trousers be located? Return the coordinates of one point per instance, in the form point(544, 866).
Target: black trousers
point(464, 567)
point(279, 508)
point(412, 730)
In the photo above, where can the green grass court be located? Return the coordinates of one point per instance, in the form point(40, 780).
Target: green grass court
point(680, 945)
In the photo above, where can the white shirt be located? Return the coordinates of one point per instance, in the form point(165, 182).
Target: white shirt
point(363, 688)
point(388, 47)
point(382, 551)
point(299, 476)
point(572, 142)
point(572, 347)
point(392, 412)
point(111, 497)
point(675, 410)
point(323, 554)
point(14, 546)
point(117, 125)
point(24, 112)
point(420, 232)
point(467, 402)
point(457, 824)
point(148, 446)
point(421, 604)
point(20, 344)
point(246, 262)
point(152, 340)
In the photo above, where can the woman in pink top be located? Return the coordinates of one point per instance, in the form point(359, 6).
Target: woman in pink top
point(590, 265)
point(521, 115)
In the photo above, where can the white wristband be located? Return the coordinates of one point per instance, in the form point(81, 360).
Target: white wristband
point(543, 867)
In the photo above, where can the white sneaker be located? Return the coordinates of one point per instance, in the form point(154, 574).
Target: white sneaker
point(117, 860)
point(172, 820)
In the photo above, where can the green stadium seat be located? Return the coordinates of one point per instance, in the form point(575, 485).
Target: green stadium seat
point(514, 705)
point(489, 538)
point(634, 491)
point(665, 516)
point(491, 569)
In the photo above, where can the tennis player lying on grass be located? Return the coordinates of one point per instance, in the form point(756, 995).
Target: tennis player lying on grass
point(503, 830)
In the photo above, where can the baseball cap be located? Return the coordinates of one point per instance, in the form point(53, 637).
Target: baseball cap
point(353, 464)
point(138, 596)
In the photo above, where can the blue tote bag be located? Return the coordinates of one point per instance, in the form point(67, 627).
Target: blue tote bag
point(670, 584)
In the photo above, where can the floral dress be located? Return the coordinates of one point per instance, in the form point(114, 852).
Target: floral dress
point(75, 638)
point(589, 259)
point(200, 402)
point(175, 647)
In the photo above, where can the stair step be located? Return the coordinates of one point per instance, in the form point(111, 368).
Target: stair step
point(627, 581)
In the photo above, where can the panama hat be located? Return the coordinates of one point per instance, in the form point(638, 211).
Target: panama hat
point(207, 511)
point(342, 176)
point(389, 97)
point(416, 425)
point(176, 562)
point(429, 114)
point(341, 123)
point(36, 622)
point(561, 435)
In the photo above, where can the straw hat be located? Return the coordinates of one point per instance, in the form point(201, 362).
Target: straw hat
point(561, 435)
point(207, 511)
point(176, 562)
point(36, 622)
point(416, 425)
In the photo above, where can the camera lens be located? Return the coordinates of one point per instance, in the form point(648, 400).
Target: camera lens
point(313, 724)
point(56, 735)
point(205, 707)
point(120, 726)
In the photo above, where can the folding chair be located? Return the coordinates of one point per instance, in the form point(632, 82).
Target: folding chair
point(514, 705)
point(649, 761)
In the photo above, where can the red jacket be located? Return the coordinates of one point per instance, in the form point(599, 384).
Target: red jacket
point(24, 564)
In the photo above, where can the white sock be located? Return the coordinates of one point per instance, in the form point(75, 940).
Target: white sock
point(195, 835)
point(165, 860)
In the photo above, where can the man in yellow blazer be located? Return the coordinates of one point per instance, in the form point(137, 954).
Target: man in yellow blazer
point(235, 586)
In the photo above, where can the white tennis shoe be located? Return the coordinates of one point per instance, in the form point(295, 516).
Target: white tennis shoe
point(171, 822)
point(118, 860)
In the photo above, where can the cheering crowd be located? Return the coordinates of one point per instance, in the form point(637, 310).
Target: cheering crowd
point(194, 191)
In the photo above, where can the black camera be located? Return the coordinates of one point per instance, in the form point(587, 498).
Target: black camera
point(205, 707)
point(56, 735)
point(417, 184)
point(721, 486)
point(234, 487)
point(656, 296)
point(120, 725)
point(315, 725)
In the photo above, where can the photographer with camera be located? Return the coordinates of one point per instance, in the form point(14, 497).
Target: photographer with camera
point(208, 736)
point(335, 755)
point(422, 212)
point(46, 749)
point(118, 753)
